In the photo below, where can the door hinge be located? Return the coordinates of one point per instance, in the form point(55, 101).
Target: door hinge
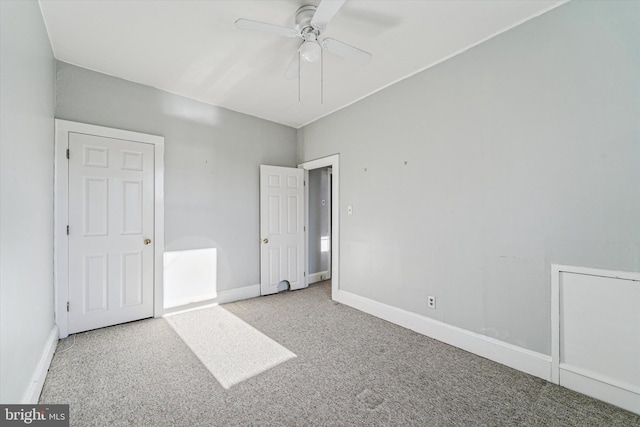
point(305, 275)
point(67, 230)
point(68, 155)
point(304, 183)
point(67, 305)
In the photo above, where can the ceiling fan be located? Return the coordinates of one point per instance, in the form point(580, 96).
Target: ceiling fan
point(309, 24)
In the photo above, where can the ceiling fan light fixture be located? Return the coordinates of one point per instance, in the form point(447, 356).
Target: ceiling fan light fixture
point(310, 51)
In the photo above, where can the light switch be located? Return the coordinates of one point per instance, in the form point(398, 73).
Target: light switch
point(349, 210)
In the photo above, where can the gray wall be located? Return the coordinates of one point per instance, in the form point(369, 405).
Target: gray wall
point(212, 158)
point(27, 85)
point(522, 152)
point(318, 219)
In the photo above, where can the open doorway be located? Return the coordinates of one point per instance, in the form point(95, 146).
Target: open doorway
point(322, 198)
point(319, 225)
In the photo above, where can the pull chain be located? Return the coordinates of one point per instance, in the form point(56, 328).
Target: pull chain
point(321, 76)
point(299, 72)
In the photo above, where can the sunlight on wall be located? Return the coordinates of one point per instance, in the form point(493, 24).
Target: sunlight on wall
point(324, 243)
point(190, 276)
point(190, 110)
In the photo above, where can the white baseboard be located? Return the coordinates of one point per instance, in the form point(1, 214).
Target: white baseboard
point(223, 297)
point(170, 311)
point(604, 389)
point(238, 294)
point(32, 394)
point(317, 277)
point(519, 358)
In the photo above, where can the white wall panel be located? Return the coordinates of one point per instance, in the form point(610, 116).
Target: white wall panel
point(596, 333)
point(600, 326)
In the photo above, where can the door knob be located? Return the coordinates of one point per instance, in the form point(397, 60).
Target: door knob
point(265, 240)
point(147, 241)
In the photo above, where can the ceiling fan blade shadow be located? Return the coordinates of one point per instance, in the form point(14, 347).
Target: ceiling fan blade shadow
point(346, 51)
point(325, 11)
point(293, 70)
point(248, 24)
point(367, 22)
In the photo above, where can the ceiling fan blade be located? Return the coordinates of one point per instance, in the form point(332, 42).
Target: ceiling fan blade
point(325, 11)
point(346, 51)
point(293, 70)
point(247, 24)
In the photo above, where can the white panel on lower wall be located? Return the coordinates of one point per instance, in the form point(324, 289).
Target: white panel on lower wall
point(603, 390)
point(596, 333)
point(519, 358)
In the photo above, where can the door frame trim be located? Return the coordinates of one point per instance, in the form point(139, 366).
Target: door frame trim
point(61, 213)
point(332, 161)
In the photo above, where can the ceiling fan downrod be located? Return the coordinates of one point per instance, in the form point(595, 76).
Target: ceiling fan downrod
point(303, 18)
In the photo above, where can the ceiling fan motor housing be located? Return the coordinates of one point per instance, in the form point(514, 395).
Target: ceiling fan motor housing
point(304, 15)
point(309, 23)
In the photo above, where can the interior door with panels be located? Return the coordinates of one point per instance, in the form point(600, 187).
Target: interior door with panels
point(111, 227)
point(281, 228)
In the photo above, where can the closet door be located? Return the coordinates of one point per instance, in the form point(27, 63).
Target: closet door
point(111, 230)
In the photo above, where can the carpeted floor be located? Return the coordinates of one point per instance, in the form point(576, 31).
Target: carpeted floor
point(231, 349)
point(350, 369)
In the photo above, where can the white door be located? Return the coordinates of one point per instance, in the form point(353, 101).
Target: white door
point(281, 228)
point(111, 223)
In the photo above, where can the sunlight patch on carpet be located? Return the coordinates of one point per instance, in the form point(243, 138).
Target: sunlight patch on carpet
point(230, 348)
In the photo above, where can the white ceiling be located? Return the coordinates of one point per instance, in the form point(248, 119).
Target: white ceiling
point(193, 48)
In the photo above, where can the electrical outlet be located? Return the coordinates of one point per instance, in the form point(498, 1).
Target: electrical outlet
point(431, 302)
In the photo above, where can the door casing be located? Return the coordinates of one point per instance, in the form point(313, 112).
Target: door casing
point(332, 161)
point(61, 212)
